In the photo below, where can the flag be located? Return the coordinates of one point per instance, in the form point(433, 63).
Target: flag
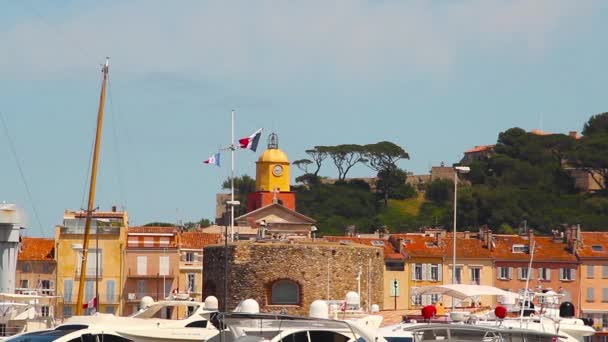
point(91, 304)
point(251, 142)
point(213, 160)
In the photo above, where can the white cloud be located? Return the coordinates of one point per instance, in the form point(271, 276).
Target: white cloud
point(281, 39)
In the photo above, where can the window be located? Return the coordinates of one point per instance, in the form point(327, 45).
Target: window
point(94, 262)
point(395, 266)
point(45, 311)
point(378, 243)
point(164, 241)
point(110, 309)
point(418, 272)
point(24, 284)
point(597, 248)
point(110, 291)
point(590, 271)
point(604, 295)
point(284, 292)
point(67, 291)
point(417, 300)
point(604, 271)
point(189, 256)
point(523, 273)
point(46, 268)
point(163, 267)
point(590, 294)
point(3, 329)
point(458, 276)
point(544, 273)
point(148, 242)
point(476, 275)
point(504, 273)
point(191, 282)
point(89, 290)
point(566, 274)
point(141, 288)
point(142, 265)
point(434, 298)
point(434, 272)
point(67, 311)
point(520, 249)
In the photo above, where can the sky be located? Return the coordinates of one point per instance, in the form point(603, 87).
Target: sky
point(435, 77)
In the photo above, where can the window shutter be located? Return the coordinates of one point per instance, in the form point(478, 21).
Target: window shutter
point(548, 274)
point(414, 272)
point(572, 274)
point(605, 295)
point(67, 290)
point(439, 272)
point(510, 276)
point(163, 268)
point(530, 273)
point(590, 271)
point(424, 271)
point(142, 265)
point(590, 294)
point(89, 292)
point(604, 271)
point(110, 291)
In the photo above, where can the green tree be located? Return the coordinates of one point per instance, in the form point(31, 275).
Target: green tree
point(302, 164)
point(597, 125)
point(242, 187)
point(345, 157)
point(318, 155)
point(382, 157)
point(159, 224)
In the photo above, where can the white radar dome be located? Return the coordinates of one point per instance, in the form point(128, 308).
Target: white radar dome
point(353, 299)
point(211, 303)
point(145, 302)
point(248, 306)
point(319, 309)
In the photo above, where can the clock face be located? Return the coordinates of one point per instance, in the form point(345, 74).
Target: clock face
point(277, 170)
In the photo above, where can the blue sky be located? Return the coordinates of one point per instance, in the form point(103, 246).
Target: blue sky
point(436, 77)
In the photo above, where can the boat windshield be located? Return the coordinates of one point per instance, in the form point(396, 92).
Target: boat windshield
point(40, 336)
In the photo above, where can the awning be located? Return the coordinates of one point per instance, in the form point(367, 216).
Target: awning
point(461, 291)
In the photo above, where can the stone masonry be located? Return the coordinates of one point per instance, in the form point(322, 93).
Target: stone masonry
point(322, 270)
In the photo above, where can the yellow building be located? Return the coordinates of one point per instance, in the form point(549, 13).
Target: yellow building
point(104, 263)
point(424, 259)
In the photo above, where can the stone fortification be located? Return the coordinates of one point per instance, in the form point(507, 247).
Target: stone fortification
point(318, 269)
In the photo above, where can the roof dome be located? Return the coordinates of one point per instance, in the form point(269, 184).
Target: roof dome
point(273, 155)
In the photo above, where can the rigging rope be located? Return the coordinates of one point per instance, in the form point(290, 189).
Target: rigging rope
point(21, 173)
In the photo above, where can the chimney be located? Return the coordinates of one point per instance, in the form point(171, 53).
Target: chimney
point(530, 234)
point(113, 208)
point(490, 239)
point(467, 234)
point(579, 239)
point(400, 241)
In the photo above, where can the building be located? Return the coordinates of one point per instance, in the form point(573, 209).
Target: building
point(36, 266)
point(395, 288)
point(554, 267)
point(104, 268)
point(151, 265)
point(592, 251)
point(190, 251)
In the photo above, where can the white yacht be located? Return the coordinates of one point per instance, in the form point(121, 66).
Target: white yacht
point(191, 323)
point(25, 312)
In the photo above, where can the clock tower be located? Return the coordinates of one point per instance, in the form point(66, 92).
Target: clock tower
point(272, 179)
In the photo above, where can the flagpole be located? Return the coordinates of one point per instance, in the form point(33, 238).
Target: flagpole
point(232, 148)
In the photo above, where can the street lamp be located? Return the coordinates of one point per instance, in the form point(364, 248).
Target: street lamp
point(457, 170)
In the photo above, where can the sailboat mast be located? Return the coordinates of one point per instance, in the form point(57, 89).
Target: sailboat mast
point(87, 226)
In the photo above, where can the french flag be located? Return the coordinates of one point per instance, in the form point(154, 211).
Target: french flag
point(251, 142)
point(213, 160)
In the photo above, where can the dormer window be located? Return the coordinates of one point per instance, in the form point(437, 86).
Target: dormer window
point(597, 248)
point(520, 248)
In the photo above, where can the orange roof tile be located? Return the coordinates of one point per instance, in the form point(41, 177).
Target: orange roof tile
point(480, 148)
point(198, 239)
point(36, 249)
point(390, 252)
point(419, 245)
point(471, 248)
point(595, 245)
point(152, 230)
point(546, 249)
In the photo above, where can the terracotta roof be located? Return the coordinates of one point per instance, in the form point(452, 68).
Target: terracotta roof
point(419, 245)
point(153, 230)
point(480, 148)
point(546, 249)
point(390, 252)
point(198, 239)
point(36, 249)
point(470, 248)
point(595, 245)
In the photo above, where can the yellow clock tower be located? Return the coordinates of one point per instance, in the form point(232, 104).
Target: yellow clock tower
point(272, 181)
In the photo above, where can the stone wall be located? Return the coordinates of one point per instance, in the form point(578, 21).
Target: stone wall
point(319, 268)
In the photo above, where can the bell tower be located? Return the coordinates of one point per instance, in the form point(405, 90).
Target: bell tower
point(272, 179)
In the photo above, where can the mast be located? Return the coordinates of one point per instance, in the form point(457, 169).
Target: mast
point(87, 226)
point(232, 148)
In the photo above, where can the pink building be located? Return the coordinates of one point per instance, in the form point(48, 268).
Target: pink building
point(151, 265)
